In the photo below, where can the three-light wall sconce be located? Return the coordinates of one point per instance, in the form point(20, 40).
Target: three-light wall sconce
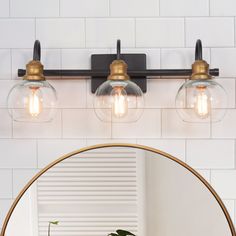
point(118, 91)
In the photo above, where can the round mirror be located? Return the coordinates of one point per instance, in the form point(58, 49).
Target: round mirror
point(98, 190)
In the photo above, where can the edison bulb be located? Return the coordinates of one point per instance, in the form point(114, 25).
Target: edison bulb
point(35, 102)
point(120, 102)
point(32, 101)
point(201, 101)
point(202, 104)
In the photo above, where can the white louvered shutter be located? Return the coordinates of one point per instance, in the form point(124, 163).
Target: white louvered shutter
point(93, 194)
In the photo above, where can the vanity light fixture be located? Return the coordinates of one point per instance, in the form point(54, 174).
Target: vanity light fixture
point(118, 90)
point(201, 98)
point(118, 99)
point(33, 99)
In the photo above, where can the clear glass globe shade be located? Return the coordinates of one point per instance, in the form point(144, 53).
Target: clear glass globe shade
point(32, 101)
point(201, 101)
point(119, 101)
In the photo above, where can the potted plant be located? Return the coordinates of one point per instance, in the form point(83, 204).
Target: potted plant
point(49, 226)
point(121, 232)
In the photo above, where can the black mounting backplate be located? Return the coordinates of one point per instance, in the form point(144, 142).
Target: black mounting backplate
point(135, 62)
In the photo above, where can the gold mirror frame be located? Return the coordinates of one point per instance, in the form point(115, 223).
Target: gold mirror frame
point(146, 148)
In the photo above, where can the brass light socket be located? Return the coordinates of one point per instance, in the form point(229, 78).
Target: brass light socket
point(200, 70)
point(34, 71)
point(118, 70)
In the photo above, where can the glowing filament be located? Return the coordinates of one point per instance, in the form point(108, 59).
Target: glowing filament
point(202, 104)
point(35, 104)
point(120, 102)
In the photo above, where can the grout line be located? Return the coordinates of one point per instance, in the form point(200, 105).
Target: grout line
point(80, 138)
point(112, 127)
point(85, 33)
point(12, 182)
point(146, 138)
point(234, 31)
point(109, 8)
point(35, 23)
point(210, 179)
point(7, 198)
point(146, 108)
point(37, 158)
point(11, 64)
point(161, 124)
point(185, 34)
point(87, 94)
point(210, 55)
point(159, 10)
point(118, 17)
point(234, 220)
point(234, 93)
point(12, 129)
point(60, 58)
point(160, 57)
point(185, 150)
point(111, 130)
point(59, 4)
point(124, 48)
point(235, 154)
point(62, 130)
point(211, 129)
point(209, 7)
point(9, 8)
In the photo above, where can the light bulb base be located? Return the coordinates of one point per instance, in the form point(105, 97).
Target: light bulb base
point(200, 70)
point(118, 70)
point(34, 71)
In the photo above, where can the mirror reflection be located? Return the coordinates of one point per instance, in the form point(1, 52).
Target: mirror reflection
point(99, 191)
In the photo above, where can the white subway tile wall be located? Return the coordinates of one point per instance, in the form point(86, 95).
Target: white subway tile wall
point(210, 154)
point(34, 8)
point(5, 64)
point(132, 8)
point(184, 8)
point(61, 32)
point(103, 32)
point(5, 8)
point(214, 31)
point(17, 33)
point(81, 8)
point(21, 178)
point(160, 32)
point(70, 31)
point(52, 149)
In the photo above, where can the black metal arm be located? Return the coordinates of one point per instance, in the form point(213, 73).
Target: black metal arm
point(118, 49)
point(132, 73)
point(198, 50)
point(37, 51)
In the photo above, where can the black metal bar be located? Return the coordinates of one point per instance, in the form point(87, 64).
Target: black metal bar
point(37, 51)
point(136, 73)
point(118, 49)
point(198, 50)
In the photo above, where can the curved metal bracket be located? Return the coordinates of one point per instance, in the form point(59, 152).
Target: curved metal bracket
point(37, 51)
point(118, 49)
point(198, 50)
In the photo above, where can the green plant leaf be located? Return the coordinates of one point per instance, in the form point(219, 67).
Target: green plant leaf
point(54, 222)
point(122, 232)
point(113, 234)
